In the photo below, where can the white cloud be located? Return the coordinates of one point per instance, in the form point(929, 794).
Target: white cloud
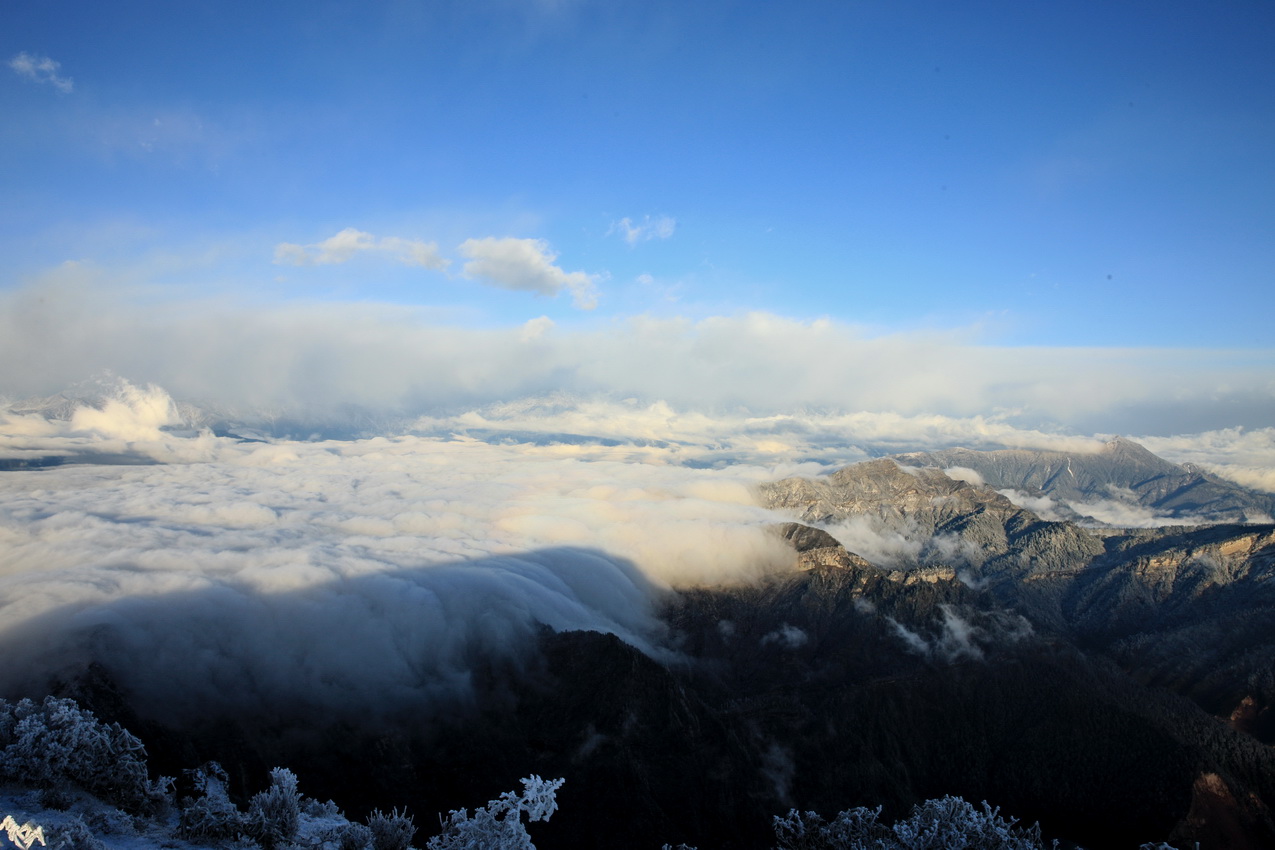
point(911, 640)
point(343, 246)
point(660, 227)
point(136, 414)
point(1243, 455)
point(872, 539)
point(347, 576)
point(770, 388)
point(786, 636)
point(534, 329)
point(42, 69)
point(1127, 514)
point(964, 473)
point(957, 640)
point(1042, 506)
point(526, 265)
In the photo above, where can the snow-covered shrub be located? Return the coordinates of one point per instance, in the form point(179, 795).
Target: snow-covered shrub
point(351, 836)
point(499, 826)
point(211, 815)
point(852, 830)
point(943, 824)
point(311, 807)
point(57, 742)
point(74, 835)
point(952, 822)
point(110, 822)
point(391, 832)
point(275, 814)
point(57, 797)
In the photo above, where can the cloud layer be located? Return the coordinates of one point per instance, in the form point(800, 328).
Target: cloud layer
point(300, 358)
point(345, 577)
point(339, 577)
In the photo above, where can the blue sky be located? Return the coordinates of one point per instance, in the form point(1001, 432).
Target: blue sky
point(1015, 174)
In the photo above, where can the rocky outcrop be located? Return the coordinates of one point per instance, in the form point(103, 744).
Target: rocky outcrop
point(951, 522)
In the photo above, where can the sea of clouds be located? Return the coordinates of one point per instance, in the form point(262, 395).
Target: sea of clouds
point(213, 574)
point(221, 574)
point(329, 500)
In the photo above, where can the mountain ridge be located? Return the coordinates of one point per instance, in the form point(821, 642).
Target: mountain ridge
point(1122, 471)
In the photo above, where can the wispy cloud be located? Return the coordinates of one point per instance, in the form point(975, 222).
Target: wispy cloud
point(348, 243)
point(527, 265)
point(660, 227)
point(41, 69)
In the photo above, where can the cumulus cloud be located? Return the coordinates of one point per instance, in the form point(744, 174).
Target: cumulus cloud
point(660, 227)
point(41, 69)
point(345, 245)
point(133, 414)
point(120, 423)
point(526, 265)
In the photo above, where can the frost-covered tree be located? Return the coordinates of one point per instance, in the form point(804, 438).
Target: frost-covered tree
point(352, 836)
point(850, 830)
point(75, 835)
point(952, 822)
point(275, 813)
point(948, 823)
point(210, 814)
point(56, 742)
point(391, 832)
point(498, 826)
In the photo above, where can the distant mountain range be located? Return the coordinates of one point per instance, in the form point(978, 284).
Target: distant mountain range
point(1123, 471)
